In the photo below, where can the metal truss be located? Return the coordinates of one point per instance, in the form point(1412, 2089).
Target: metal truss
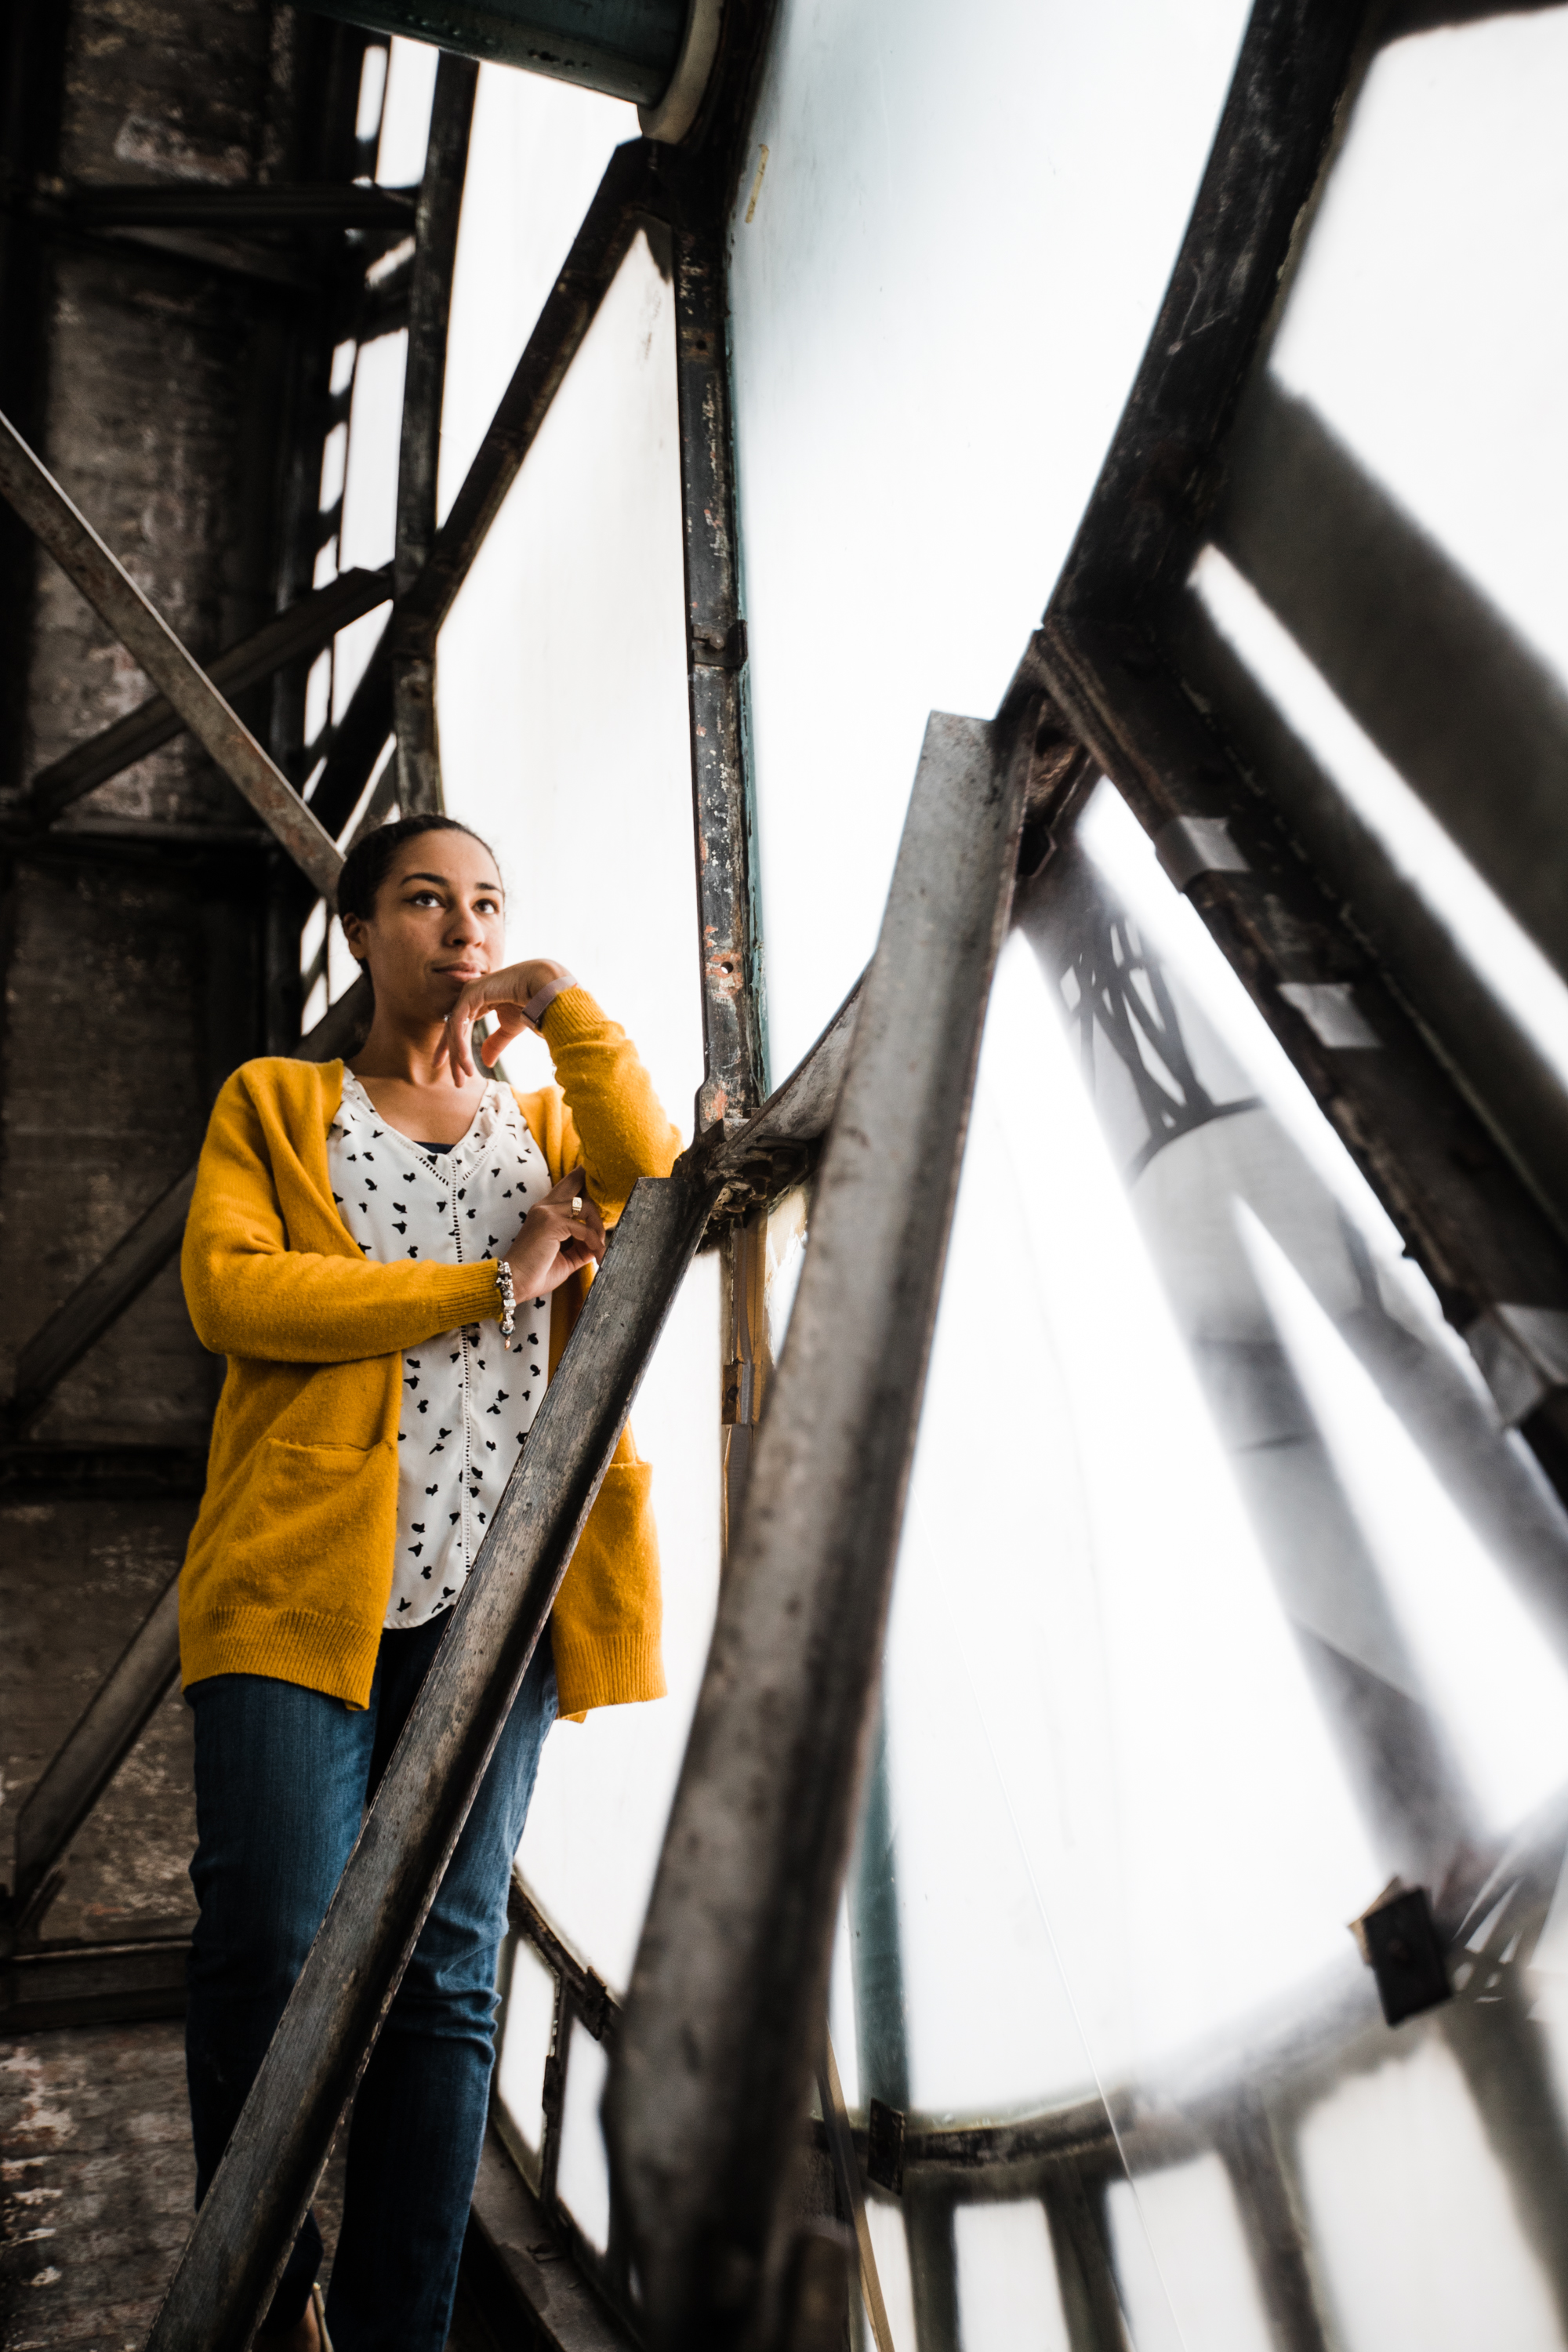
point(712, 2060)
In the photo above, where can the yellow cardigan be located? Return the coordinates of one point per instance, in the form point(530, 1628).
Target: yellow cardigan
point(289, 1563)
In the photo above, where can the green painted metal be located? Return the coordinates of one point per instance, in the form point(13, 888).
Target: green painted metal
point(628, 48)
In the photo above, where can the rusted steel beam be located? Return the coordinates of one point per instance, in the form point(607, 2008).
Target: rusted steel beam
point(93, 1751)
point(714, 2061)
point(597, 251)
point(28, 486)
point(734, 1038)
point(119, 1279)
point(429, 305)
point(305, 626)
point(245, 2229)
point(328, 203)
point(1298, 58)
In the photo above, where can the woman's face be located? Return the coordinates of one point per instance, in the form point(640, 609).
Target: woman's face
point(440, 922)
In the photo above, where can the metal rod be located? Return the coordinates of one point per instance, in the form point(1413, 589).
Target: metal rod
point(597, 251)
point(429, 304)
point(713, 2063)
point(734, 1039)
point(29, 486)
point(1271, 145)
point(1258, 2180)
point(70, 1785)
point(846, 2172)
point(301, 629)
point(248, 2223)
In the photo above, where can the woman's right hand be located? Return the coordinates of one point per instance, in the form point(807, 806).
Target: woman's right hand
point(552, 1242)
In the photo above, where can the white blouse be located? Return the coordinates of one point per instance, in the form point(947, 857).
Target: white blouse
point(468, 1404)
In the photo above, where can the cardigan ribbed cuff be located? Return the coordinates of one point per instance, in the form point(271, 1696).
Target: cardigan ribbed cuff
point(599, 1669)
point(335, 1655)
point(571, 1015)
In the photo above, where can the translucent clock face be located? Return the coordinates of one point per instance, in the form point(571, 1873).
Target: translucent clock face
point(1228, 1592)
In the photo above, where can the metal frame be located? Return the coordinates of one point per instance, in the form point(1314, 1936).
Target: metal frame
point(710, 2066)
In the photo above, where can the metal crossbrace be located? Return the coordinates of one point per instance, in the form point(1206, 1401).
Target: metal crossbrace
point(430, 568)
point(308, 625)
point(269, 2173)
point(27, 485)
point(714, 2060)
point(419, 450)
point(596, 253)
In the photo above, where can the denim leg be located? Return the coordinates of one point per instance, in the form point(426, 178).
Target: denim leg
point(420, 2112)
point(281, 1776)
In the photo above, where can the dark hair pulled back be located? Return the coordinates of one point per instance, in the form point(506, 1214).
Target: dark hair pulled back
point(369, 862)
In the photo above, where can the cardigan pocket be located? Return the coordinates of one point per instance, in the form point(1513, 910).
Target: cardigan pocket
point(310, 1520)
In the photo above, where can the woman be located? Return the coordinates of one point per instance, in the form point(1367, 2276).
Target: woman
point(359, 1240)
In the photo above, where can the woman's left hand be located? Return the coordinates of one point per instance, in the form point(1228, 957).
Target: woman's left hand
point(504, 994)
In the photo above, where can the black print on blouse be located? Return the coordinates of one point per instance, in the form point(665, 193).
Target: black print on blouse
point(466, 1487)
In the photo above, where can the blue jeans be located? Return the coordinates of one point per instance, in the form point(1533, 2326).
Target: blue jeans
point(283, 1776)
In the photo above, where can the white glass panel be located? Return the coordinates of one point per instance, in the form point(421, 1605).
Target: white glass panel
point(955, 255)
point(318, 692)
point(1008, 2300)
point(1413, 2223)
point(370, 485)
point(841, 2019)
point(405, 113)
point(524, 2041)
point(1198, 2293)
point(1426, 324)
point(890, 2247)
point(536, 154)
point(605, 1786)
point(1083, 1642)
point(563, 694)
point(372, 90)
point(583, 2174)
point(352, 650)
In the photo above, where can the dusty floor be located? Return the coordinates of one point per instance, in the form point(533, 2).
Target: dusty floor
point(97, 2172)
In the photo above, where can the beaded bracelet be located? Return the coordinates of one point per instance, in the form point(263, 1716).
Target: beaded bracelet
point(508, 1301)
